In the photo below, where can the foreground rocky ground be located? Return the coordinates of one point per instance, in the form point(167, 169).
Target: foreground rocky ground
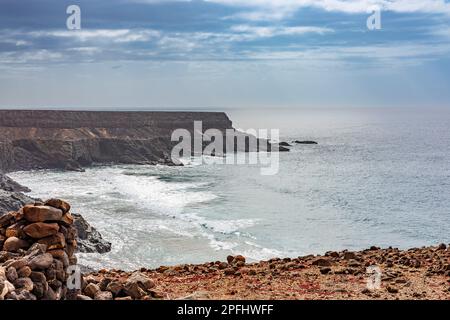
point(38, 242)
point(420, 273)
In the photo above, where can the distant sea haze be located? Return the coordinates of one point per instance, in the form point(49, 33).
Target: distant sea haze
point(377, 177)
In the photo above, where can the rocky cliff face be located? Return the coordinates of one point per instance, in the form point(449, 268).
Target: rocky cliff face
point(70, 139)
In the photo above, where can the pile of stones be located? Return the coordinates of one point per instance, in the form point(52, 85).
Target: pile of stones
point(37, 245)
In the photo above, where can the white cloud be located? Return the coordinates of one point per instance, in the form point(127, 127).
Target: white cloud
point(280, 9)
point(267, 32)
point(115, 35)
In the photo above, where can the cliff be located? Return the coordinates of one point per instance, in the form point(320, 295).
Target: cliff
point(68, 139)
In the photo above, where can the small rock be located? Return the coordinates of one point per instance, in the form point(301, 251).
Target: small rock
point(391, 289)
point(229, 271)
point(114, 287)
point(325, 270)
point(103, 295)
point(350, 255)
point(6, 219)
point(24, 272)
point(353, 263)
point(50, 294)
point(199, 295)
point(322, 262)
point(11, 274)
point(137, 285)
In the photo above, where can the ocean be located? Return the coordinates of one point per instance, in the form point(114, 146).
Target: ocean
point(377, 177)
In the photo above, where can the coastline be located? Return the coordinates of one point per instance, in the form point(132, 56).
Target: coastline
point(405, 274)
point(374, 273)
point(414, 274)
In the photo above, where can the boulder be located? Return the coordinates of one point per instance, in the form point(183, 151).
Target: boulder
point(16, 230)
point(24, 272)
point(350, 256)
point(114, 287)
point(322, 262)
point(137, 285)
point(67, 219)
point(13, 244)
point(41, 262)
point(56, 241)
point(42, 213)
point(40, 230)
point(11, 274)
point(24, 283)
point(6, 219)
point(5, 288)
point(91, 290)
point(58, 204)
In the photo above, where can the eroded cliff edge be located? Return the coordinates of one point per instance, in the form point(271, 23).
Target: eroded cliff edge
point(37, 139)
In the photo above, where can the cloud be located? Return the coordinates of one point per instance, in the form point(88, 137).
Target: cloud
point(267, 32)
point(442, 31)
point(116, 35)
point(280, 9)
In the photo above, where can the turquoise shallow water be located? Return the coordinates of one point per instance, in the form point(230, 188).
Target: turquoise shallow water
point(377, 177)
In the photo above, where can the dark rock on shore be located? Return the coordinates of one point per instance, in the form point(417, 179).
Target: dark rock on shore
point(11, 201)
point(8, 184)
point(89, 239)
point(11, 196)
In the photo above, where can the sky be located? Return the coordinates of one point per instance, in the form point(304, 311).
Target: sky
point(193, 54)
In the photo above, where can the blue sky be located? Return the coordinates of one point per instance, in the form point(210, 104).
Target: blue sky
point(224, 53)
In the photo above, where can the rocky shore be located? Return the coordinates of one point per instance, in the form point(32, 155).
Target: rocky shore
point(419, 273)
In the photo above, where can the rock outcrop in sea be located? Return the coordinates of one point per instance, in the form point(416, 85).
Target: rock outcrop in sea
point(89, 239)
